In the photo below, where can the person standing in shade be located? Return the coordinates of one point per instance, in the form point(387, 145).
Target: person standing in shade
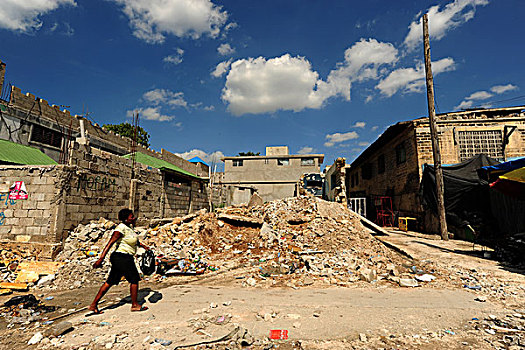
point(122, 260)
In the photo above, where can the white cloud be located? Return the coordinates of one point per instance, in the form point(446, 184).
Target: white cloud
point(152, 20)
point(359, 125)
point(210, 158)
point(221, 68)
point(166, 97)
point(412, 79)
point(500, 89)
point(225, 49)
point(151, 113)
point(374, 128)
point(338, 138)
point(176, 58)
point(305, 150)
point(440, 21)
point(24, 15)
point(369, 98)
point(362, 144)
point(209, 108)
point(470, 101)
point(260, 85)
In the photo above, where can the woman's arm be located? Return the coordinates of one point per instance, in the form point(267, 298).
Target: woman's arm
point(115, 237)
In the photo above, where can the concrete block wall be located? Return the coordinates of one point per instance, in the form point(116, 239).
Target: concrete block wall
point(31, 220)
point(400, 181)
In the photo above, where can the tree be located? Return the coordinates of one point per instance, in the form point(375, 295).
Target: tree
point(247, 154)
point(126, 129)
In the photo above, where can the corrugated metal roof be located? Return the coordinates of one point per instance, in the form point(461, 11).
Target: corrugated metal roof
point(159, 164)
point(15, 153)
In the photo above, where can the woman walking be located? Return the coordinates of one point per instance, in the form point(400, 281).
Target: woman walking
point(122, 260)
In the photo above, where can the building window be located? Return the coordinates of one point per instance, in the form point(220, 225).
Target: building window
point(237, 162)
point(46, 136)
point(366, 171)
point(266, 161)
point(307, 161)
point(401, 153)
point(283, 161)
point(472, 143)
point(381, 164)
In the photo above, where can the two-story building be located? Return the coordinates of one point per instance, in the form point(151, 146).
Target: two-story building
point(392, 166)
point(273, 176)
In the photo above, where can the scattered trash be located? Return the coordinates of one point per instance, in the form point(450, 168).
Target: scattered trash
point(450, 332)
point(35, 339)
point(163, 342)
point(408, 282)
point(425, 278)
point(481, 299)
point(49, 298)
point(278, 334)
point(475, 287)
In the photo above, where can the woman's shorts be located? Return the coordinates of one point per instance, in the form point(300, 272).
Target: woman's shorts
point(122, 264)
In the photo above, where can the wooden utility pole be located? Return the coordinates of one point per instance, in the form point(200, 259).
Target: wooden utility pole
point(434, 133)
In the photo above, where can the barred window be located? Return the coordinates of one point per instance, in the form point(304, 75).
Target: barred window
point(237, 162)
point(472, 143)
point(46, 136)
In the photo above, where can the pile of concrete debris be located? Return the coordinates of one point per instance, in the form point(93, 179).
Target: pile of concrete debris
point(291, 242)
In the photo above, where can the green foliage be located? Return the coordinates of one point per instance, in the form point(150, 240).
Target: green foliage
point(126, 129)
point(247, 154)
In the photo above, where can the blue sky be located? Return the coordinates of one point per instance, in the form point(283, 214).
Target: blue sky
point(213, 78)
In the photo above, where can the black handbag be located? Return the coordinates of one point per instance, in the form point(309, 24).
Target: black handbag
point(147, 263)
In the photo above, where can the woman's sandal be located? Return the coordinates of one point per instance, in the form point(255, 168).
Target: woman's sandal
point(142, 308)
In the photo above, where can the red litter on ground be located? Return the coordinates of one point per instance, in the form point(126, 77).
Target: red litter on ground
point(279, 334)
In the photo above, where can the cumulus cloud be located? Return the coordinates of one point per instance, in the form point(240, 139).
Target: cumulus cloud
point(306, 150)
point(260, 85)
point(152, 20)
point(210, 158)
point(165, 97)
point(374, 128)
point(442, 20)
point(500, 89)
point(359, 125)
point(24, 16)
point(151, 113)
point(221, 68)
point(409, 80)
point(332, 139)
point(225, 49)
point(472, 100)
point(175, 58)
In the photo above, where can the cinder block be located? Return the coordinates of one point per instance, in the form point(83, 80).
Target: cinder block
point(35, 213)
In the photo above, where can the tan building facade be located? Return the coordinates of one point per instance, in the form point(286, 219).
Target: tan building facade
point(273, 176)
point(393, 165)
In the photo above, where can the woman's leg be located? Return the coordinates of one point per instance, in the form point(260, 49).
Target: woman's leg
point(134, 291)
point(101, 292)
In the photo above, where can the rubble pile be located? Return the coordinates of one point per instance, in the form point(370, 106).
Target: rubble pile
point(294, 241)
point(80, 252)
point(290, 242)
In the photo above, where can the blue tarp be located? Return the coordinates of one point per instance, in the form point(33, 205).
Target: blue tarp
point(492, 172)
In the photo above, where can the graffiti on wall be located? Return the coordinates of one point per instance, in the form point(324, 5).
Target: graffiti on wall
point(7, 200)
point(96, 183)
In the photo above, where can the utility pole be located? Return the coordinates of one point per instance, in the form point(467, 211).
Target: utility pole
point(434, 133)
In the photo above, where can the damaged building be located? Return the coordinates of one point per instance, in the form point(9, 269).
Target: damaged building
point(272, 176)
point(59, 170)
point(388, 173)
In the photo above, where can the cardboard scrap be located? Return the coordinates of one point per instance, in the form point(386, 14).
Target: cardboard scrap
point(13, 286)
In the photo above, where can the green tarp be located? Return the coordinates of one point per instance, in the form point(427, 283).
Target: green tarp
point(159, 164)
point(15, 153)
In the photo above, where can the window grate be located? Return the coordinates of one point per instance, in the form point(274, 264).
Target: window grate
point(46, 136)
point(472, 143)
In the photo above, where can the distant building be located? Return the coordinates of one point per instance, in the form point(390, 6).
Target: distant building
point(393, 165)
point(273, 176)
